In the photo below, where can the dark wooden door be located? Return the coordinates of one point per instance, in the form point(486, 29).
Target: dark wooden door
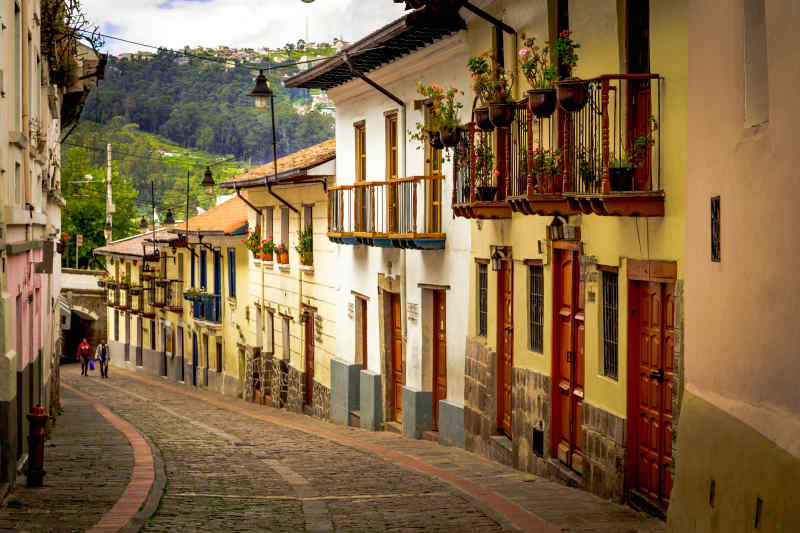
point(505, 345)
point(439, 353)
point(568, 366)
point(397, 358)
point(128, 339)
point(309, 326)
point(653, 387)
point(195, 359)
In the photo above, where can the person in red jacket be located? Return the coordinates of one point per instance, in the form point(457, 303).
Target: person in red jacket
point(84, 354)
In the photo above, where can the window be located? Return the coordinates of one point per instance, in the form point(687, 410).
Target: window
point(610, 318)
point(152, 334)
point(203, 269)
point(179, 341)
point(268, 231)
point(361, 151)
point(391, 146)
point(284, 227)
point(191, 262)
point(18, 183)
point(715, 230)
point(483, 298)
point(361, 331)
point(232, 272)
point(286, 338)
point(536, 308)
point(116, 325)
point(219, 357)
point(756, 79)
point(433, 188)
point(269, 345)
point(205, 349)
point(308, 221)
point(180, 268)
point(128, 271)
point(433, 156)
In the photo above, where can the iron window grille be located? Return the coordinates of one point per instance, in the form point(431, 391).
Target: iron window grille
point(483, 298)
point(715, 230)
point(536, 308)
point(610, 330)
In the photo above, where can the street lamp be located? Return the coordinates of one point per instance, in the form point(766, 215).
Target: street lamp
point(169, 218)
point(143, 224)
point(497, 260)
point(261, 94)
point(208, 181)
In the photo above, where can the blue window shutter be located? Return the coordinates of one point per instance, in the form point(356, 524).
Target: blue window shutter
point(232, 272)
point(203, 269)
point(191, 260)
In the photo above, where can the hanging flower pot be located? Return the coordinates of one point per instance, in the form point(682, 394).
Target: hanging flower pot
point(283, 258)
point(621, 178)
point(542, 102)
point(501, 114)
point(572, 95)
point(486, 193)
point(449, 136)
point(436, 142)
point(482, 119)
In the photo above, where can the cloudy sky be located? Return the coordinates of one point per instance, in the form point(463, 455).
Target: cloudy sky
point(236, 23)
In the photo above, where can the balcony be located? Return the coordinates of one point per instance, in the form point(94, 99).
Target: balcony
point(135, 299)
point(160, 293)
point(402, 213)
point(148, 311)
point(621, 120)
point(112, 294)
point(475, 194)
point(174, 295)
point(208, 308)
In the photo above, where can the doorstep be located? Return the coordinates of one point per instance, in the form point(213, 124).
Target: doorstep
point(393, 427)
point(501, 449)
point(431, 436)
point(564, 474)
point(354, 419)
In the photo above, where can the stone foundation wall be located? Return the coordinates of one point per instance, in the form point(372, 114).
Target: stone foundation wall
point(603, 440)
point(296, 384)
point(321, 401)
point(530, 410)
point(279, 382)
point(480, 396)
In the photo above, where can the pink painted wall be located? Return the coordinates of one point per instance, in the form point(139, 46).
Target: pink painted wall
point(22, 286)
point(742, 336)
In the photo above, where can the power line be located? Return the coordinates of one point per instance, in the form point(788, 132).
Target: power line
point(214, 59)
point(136, 156)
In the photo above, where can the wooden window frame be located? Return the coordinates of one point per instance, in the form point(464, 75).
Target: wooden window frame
point(360, 131)
point(483, 297)
point(610, 323)
point(392, 145)
point(268, 227)
point(284, 227)
point(231, 272)
point(535, 307)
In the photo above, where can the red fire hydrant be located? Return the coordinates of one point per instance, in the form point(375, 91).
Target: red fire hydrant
point(38, 418)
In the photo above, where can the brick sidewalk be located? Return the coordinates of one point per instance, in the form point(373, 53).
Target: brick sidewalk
point(229, 462)
point(88, 464)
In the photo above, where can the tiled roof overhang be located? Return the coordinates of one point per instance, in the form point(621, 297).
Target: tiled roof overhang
point(405, 35)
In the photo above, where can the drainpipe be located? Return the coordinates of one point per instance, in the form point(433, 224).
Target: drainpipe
point(402, 170)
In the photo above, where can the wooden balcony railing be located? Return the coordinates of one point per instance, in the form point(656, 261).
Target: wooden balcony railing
point(148, 295)
point(161, 289)
point(135, 299)
point(621, 119)
point(175, 296)
point(402, 213)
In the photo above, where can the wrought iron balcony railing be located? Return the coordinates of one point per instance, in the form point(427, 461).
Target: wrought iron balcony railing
point(208, 308)
point(401, 213)
point(161, 289)
point(175, 296)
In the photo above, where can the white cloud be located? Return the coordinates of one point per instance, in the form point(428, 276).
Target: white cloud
point(239, 23)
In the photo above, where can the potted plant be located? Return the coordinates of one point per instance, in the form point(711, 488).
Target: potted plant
point(191, 294)
point(305, 245)
point(541, 73)
point(443, 123)
point(572, 92)
point(135, 289)
point(124, 282)
point(587, 169)
point(485, 175)
point(621, 166)
point(267, 248)
point(283, 254)
point(547, 170)
point(479, 67)
point(253, 241)
point(493, 87)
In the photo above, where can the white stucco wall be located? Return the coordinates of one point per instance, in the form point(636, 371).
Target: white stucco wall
point(444, 64)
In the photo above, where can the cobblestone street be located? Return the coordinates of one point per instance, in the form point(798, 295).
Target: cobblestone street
point(233, 466)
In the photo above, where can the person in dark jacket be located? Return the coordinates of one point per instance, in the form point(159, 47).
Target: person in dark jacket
point(102, 355)
point(84, 354)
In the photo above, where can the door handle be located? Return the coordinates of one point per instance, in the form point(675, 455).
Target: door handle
point(509, 329)
point(658, 375)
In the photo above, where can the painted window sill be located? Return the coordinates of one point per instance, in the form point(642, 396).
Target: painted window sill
point(284, 268)
point(308, 269)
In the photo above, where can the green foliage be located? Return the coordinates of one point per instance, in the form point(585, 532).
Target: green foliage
point(489, 80)
point(202, 105)
point(85, 212)
point(305, 245)
point(537, 65)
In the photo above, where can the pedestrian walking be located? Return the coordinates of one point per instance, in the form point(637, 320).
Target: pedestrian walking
point(84, 354)
point(102, 355)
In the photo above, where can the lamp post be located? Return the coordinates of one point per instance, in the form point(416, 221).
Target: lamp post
point(262, 94)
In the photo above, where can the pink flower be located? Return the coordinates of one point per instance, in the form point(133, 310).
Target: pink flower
point(474, 76)
point(524, 52)
point(496, 173)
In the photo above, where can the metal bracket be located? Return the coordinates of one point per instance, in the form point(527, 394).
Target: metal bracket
point(371, 83)
point(281, 200)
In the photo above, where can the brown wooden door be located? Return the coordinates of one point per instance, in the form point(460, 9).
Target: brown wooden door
point(656, 326)
point(439, 353)
point(568, 351)
point(505, 345)
point(309, 334)
point(397, 359)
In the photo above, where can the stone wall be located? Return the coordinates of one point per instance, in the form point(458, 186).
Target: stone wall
point(296, 381)
point(480, 396)
point(530, 411)
point(279, 382)
point(603, 442)
point(321, 401)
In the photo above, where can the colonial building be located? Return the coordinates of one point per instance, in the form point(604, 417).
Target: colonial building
point(291, 334)
point(402, 259)
point(177, 300)
point(41, 96)
point(738, 460)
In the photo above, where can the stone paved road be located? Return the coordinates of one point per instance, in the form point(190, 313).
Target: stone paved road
point(88, 465)
point(238, 467)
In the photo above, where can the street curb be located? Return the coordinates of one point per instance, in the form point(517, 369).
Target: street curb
point(156, 492)
point(136, 498)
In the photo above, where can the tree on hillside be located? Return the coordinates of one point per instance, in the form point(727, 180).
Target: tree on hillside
point(85, 212)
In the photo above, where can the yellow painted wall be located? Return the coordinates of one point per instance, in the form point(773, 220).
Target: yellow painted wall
point(596, 25)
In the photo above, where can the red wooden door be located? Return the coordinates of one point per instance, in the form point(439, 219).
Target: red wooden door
point(505, 345)
point(439, 353)
point(309, 326)
point(568, 369)
point(654, 395)
point(397, 359)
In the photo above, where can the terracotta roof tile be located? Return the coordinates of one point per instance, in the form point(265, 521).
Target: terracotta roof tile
point(300, 160)
point(227, 217)
point(132, 246)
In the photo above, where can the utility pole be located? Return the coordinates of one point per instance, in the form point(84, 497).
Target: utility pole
point(109, 203)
